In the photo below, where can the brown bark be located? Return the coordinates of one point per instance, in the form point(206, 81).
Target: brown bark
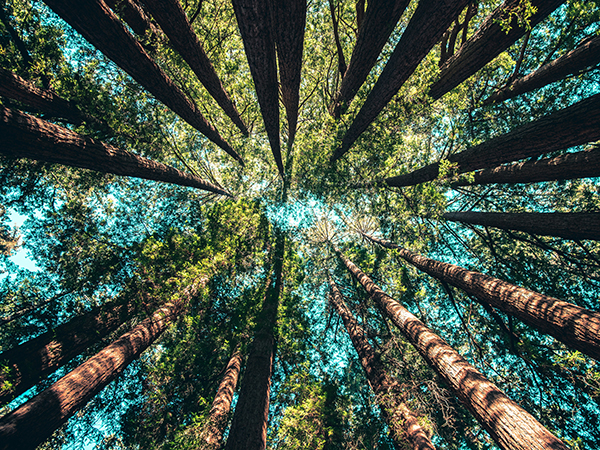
point(172, 19)
point(508, 424)
point(33, 422)
point(488, 42)
point(576, 327)
point(581, 58)
point(25, 136)
point(402, 423)
point(560, 130)
point(136, 18)
point(360, 14)
point(97, 23)
point(342, 67)
point(254, 21)
point(427, 25)
point(379, 22)
point(566, 225)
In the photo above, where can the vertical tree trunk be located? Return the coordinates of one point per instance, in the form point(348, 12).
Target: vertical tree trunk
point(25, 136)
point(509, 425)
point(402, 423)
point(488, 42)
point(33, 422)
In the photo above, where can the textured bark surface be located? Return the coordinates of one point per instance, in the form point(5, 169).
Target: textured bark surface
point(416, 41)
point(509, 425)
point(402, 423)
point(574, 125)
point(33, 422)
point(379, 22)
point(172, 19)
point(254, 21)
point(25, 136)
point(97, 23)
point(488, 42)
point(135, 17)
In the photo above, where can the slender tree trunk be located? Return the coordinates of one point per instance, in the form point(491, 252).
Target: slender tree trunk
point(136, 18)
point(581, 58)
point(360, 14)
point(427, 25)
point(575, 125)
point(95, 21)
point(509, 425)
point(33, 422)
point(379, 22)
point(401, 421)
point(488, 42)
point(342, 67)
point(566, 225)
point(172, 19)
point(255, 22)
point(25, 136)
point(576, 327)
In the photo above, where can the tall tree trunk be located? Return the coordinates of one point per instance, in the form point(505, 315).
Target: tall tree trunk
point(342, 67)
point(379, 22)
point(566, 225)
point(25, 136)
point(581, 58)
point(401, 421)
point(569, 166)
point(95, 21)
point(33, 422)
point(137, 19)
point(575, 125)
point(172, 19)
point(576, 327)
point(427, 25)
point(509, 425)
point(254, 19)
point(488, 42)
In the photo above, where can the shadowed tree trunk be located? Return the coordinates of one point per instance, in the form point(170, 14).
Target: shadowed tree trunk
point(575, 125)
point(172, 19)
point(576, 327)
point(488, 42)
point(136, 18)
point(33, 422)
point(254, 21)
point(379, 22)
point(427, 25)
point(342, 67)
point(575, 226)
point(509, 425)
point(95, 21)
point(402, 423)
point(25, 136)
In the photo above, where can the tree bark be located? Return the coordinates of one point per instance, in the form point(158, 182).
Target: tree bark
point(342, 67)
point(255, 22)
point(487, 43)
point(576, 327)
point(565, 225)
point(172, 19)
point(581, 58)
point(25, 136)
point(379, 23)
point(427, 25)
point(402, 423)
point(95, 21)
point(33, 422)
point(508, 424)
point(136, 18)
point(575, 125)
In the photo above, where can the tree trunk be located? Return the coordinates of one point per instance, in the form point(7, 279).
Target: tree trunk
point(427, 25)
point(172, 19)
point(255, 22)
point(565, 225)
point(25, 136)
point(136, 18)
point(581, 58)
point(487, 43)
point(509, 425)
point(576, 327)
point(33, 422)
point(575, 125)
point(342, 67)
point(379, 22)
point(402, 423)
point(95, 21)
